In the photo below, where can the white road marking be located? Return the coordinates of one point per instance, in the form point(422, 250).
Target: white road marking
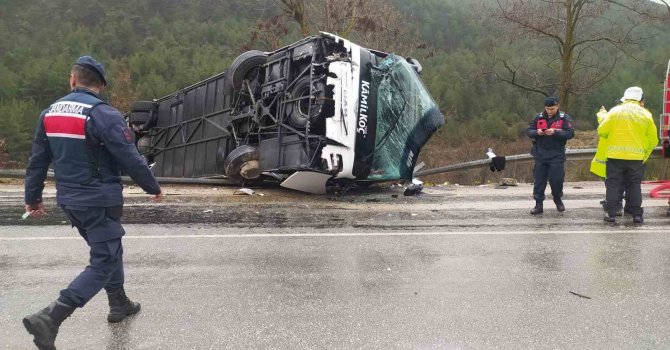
point(360, 234)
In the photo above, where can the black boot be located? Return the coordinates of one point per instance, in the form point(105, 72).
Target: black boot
point(559, 204)
point(538, 209)
point(44, 324)
point(120, 306)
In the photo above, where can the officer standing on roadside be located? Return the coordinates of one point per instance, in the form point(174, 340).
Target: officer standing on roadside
point(630, 133)
point(89, 144)
point(550, 130)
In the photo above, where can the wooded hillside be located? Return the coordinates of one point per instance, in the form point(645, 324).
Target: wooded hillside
point(478, 64)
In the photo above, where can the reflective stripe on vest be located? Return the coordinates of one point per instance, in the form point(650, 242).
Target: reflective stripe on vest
point(66, 119)
point(75, 160)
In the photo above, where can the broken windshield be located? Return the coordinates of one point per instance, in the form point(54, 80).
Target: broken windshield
point(406, 118)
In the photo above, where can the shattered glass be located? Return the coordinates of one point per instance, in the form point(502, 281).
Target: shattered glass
point(406, 118)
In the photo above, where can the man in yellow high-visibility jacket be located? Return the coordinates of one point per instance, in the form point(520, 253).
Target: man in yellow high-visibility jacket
point(630, 135)
point(598, 164)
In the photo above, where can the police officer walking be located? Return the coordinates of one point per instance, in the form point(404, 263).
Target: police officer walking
point(89, 144)
point(630, 133)
point(549, 130)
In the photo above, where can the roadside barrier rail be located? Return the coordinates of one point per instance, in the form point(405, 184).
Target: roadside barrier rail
point(570, 154)
point(128, 180)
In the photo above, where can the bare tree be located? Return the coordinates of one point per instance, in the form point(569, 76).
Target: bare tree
point(269, 31)
point(295, 9)
point(122, 92)
point(667, 6)
point(374, 23)
point(577, 42)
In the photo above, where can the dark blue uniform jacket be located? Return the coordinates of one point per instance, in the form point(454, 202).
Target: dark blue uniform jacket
point(89, 144)
point(550, 148)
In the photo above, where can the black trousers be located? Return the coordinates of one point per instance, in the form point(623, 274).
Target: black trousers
point(554, 172)
point(624, 175)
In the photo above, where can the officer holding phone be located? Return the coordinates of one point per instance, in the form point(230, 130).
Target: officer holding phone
point(550, 130)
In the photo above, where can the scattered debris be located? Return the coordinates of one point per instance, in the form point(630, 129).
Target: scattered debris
point(413, 190)
point(508, 181)
point(414, 214)
point(578, 187)
point(579, 295)
point(247, 191)
point(394, 196)
point(208, 211)
point(372, 200)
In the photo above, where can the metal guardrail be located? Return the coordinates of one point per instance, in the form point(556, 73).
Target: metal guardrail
point(571, 154)
point(128, 180)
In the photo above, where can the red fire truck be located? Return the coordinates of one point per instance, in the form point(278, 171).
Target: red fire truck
point(664, 122)
point(665, 115)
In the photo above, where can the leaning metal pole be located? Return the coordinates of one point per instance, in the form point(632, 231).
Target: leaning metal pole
point(570, 154)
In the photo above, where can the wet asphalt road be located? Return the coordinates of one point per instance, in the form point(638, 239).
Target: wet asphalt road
point(455, 268)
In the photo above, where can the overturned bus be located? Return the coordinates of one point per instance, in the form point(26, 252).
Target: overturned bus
point(320, 112)
point(665, 116)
